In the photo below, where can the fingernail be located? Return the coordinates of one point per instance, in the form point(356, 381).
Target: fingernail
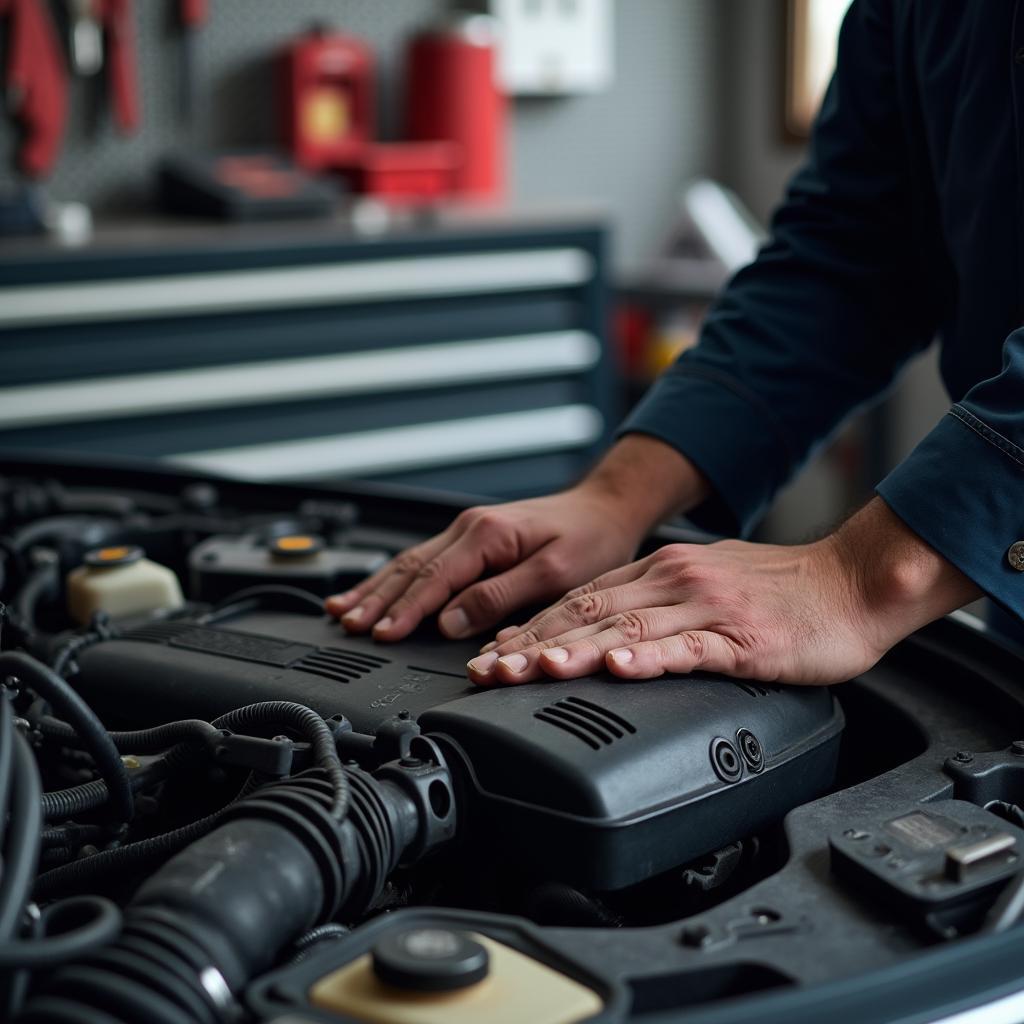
point(455, 624)
point(489, 647)
point(349, 595)
point(483, 663)
point(355, 615)
point(623, 656)
point(559, 655)
point(384, 625)
point(514, 662)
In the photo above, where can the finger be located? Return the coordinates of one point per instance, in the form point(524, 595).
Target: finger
point(339, 604)
point(461, 563)
point(393, 580)
point(522, 666)
point(576, 653)
point(493, 599)
point(583, 651)
point(585, 610)
point(616, 577)
point(683, 653)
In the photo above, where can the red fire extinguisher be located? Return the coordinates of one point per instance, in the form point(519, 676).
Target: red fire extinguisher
point(326, 88)
point(453, 95)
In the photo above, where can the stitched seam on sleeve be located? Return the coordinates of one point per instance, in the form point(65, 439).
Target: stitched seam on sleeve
point(984, 431)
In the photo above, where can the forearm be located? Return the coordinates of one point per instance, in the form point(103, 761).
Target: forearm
point(899, 582)
point(645, 481)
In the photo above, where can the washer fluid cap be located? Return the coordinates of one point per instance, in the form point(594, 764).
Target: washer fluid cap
point(430, 959)
point(110, 558)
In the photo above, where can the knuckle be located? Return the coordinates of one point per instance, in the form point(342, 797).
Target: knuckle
point(429, 571)
point(631, 626)
point(551, 566)
point(528, 638)
point(488, 599)
point(586, 608)
point(409, 563)
point(487, 520)
point(695, 646)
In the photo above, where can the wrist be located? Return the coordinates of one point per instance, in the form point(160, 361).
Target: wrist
point(642, 482)
point(899, 581)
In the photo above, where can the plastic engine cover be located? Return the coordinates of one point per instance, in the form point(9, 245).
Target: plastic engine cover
point(596, 781)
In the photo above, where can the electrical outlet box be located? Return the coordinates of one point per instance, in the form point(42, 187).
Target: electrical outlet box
point(555, 47)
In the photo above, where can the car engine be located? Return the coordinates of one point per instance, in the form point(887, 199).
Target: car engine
point(218, 806)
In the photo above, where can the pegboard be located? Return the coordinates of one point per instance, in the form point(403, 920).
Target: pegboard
point(235, 102)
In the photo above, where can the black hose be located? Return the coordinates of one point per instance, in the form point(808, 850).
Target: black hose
point(6, 752)
point(99, 631)
point(306, 945)
point(40, 586)
point(137, 741)
point(48, 951)
point(48, 684)
point(133, 856)
point(21, 838)
point(310, 726)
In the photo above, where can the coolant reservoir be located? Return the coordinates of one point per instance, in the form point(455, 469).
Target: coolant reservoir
point(120, 581)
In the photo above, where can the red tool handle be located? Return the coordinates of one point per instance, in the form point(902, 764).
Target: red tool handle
point(124, 87)
point(36, 83)
point(193, 12)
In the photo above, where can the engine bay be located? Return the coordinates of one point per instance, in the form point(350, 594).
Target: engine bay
point(220, 806)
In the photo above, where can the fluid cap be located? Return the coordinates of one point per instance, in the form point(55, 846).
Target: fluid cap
point(430, 960)
point(296, 545)
point(108, 558)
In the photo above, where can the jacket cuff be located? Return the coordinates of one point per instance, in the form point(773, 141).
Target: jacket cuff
point(726, 434)
point(962, 492)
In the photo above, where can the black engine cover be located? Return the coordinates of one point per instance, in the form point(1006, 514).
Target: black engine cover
point(600, 782)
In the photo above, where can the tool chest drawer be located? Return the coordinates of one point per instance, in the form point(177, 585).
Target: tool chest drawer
point(472, 357)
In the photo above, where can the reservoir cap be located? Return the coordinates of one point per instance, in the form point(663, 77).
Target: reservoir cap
point(430, 959)
point(109, 558)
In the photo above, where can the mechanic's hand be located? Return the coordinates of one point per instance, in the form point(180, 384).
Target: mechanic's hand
point(529, 551)
point(816, 613)
point(535, 549)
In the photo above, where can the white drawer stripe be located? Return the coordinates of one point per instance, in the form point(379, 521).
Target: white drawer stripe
point(419, 446)
point(398, 369)
point(330, 284)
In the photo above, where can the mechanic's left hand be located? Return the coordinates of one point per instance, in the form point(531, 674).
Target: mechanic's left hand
point(814, 613)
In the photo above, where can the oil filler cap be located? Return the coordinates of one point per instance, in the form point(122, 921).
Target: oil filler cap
point(296, 545)
point(430, 960)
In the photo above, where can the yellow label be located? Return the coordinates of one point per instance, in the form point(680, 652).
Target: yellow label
point(325, 114)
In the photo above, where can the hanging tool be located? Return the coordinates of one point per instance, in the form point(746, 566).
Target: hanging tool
point(191, 14)
point(36, 83)
point(85, 34)
point(122, 76)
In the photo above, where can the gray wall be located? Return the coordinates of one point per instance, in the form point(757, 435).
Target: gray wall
point(628, 147)
point(632, 146)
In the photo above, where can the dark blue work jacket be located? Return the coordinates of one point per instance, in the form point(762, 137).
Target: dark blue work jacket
point(904, 224)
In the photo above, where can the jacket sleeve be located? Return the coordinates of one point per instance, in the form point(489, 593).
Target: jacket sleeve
point(962, 489)
point(837, 300)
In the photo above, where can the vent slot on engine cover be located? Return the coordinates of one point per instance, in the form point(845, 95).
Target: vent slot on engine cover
point(339, 665)
point(587, 721)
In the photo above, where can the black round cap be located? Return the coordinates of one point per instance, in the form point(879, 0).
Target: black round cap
point(430, 959)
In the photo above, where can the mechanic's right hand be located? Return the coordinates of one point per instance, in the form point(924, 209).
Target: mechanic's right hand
point(491, 561)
